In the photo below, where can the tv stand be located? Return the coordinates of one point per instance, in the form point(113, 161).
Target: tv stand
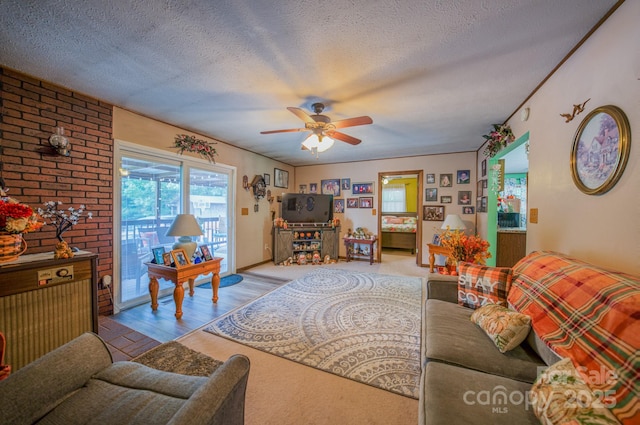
point(311, 237)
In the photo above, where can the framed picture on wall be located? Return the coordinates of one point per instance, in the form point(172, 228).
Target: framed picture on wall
point(464, 197)
point(281, 178)
point(430, 213)
point(330, 187)
point(352, 202)
point(463, 177)
point(267, 179)
point(338, 205)
point(431, 179)
point(345, 184)
point(467, 210)
point(431, 194)
point(361, 188)
point(313, 187)
point(366, 202)
point(446, 199)
point(484, 167)
point(446, 180)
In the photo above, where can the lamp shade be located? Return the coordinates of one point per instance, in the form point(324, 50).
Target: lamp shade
point(184, 225)
point(453, 222)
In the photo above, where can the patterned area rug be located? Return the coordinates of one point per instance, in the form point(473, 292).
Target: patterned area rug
point(362, 326)
point(175, 357)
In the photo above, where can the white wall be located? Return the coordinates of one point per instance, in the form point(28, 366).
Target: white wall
point(367, 171)
point(253, 231)
point(605, 229)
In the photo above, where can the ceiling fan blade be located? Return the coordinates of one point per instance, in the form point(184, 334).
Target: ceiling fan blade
point(291, 130)
point(302, 115)
point(343, 137)
point(351, 122)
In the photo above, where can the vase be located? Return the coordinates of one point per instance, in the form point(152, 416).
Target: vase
point(12, 246)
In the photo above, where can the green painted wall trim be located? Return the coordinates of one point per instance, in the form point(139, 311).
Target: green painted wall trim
point(492, 198)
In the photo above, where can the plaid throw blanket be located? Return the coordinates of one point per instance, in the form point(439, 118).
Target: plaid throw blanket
point(590, 315)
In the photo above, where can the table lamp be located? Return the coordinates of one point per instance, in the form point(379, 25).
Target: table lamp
point(184, 226)
point(454, 222)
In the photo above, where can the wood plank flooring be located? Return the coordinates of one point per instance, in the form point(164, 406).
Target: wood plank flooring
point(198, 310)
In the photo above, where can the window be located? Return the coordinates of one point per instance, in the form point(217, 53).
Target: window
point(394, 198)
point(153, 189)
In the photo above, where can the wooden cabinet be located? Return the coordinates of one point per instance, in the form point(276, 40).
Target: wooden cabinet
point(511, 247)
point(45, 303)
point(290, 242)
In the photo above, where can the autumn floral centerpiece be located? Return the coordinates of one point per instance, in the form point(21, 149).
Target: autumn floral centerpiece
point(499, 138)
point(471, 249)
point(203, 148)
point(15, 219)
point(63, 220)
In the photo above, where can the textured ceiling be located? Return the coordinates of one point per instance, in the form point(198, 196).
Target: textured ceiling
point(433, 74)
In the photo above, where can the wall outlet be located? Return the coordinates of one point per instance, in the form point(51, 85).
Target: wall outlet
point(106, 281)
point(266, 247)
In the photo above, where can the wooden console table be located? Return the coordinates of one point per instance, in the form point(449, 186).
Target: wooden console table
point(439, 250)
point(180, 275)
point(350, 242)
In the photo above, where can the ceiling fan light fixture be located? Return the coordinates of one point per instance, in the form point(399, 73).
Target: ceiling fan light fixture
point(318, 144)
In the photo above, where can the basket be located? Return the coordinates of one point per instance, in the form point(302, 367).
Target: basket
point(12, 246)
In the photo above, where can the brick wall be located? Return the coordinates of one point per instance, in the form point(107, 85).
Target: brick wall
point(30, 111)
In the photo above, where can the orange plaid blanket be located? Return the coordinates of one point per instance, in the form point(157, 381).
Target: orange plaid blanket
point(590, 315)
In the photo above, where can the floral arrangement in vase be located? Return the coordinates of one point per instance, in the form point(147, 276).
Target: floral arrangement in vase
point(63, 220)
point(471, 249)
point(16, 217)
point(499, 138)
point(203, 148)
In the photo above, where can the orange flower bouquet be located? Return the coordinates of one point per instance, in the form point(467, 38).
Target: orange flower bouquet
point(471, 249)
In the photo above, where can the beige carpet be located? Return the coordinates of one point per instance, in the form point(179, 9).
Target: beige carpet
point(283, 392)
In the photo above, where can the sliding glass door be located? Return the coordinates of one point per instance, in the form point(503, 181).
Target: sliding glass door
point(152, 191)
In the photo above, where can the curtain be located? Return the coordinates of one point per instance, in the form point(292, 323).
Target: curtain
point(394, 198)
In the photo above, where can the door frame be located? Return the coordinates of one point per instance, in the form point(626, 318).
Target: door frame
point(419, 176)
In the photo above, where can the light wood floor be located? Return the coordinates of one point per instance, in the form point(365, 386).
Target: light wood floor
point(198, 310)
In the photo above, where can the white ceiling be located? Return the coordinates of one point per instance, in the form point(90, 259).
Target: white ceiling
point(433, 74)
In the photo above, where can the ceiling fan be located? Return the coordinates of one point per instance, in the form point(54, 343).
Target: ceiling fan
point(323, 130)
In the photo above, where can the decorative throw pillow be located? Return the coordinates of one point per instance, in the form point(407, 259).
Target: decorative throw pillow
point(506, 328)
point(479, 285)
point(561, 396)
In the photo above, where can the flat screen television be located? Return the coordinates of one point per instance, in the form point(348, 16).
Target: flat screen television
point(307, 208)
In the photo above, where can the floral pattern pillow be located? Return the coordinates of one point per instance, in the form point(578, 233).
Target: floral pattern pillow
point(506, 328)
point(561, 396)
point(480, 285)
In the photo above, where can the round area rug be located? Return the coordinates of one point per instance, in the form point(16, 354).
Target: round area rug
point(232, 279)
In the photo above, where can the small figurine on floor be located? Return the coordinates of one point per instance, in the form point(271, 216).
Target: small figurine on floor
point(287, 262)
point(327, 259)
point(316, 258)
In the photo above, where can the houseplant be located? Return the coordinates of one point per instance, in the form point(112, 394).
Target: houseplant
point(15, 219)
point(497, 139)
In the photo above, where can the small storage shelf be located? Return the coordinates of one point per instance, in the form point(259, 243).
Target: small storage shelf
point(290, 242)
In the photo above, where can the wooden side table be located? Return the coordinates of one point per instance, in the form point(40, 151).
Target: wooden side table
point(436, 249)
point(178, 276)
point(349, 242)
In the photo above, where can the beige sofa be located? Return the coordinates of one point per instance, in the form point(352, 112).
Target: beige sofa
point(78, 383)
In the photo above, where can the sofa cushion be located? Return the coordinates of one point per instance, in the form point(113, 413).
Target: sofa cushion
point(560, 396)
point(453, 395)
point(506, 328)
point(452, 338)
point(480, 285)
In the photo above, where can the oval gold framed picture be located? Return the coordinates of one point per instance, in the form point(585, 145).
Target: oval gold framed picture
point(600, 150)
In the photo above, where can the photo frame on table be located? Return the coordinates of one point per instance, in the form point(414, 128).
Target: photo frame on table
point(338, 205)
point(362, 188)
point(206, 254)
point(446, 199)
point(431, 179)
point(302, 188)
point(436, 239)
point(313, 187)
point(600, 150)
point(166, 259)
point(446, 180)
point(431, 194)
point(267, 179)
point(157, 254)
point(430, 213)
point(352, 202)
point(180, 258)
point(365, 202)
point(330, 187)
point(281, 178)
